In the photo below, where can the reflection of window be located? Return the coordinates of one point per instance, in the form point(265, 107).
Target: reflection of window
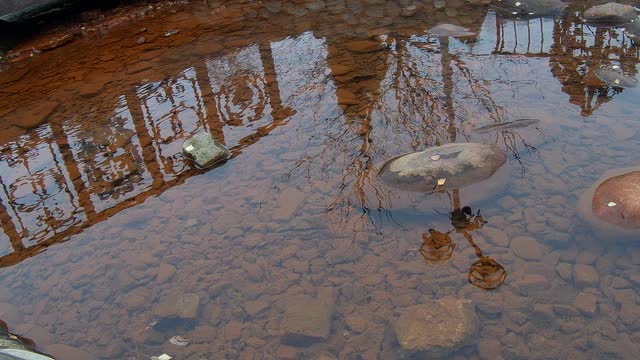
point(36, 189)
point(173, 111)
point(109, 157)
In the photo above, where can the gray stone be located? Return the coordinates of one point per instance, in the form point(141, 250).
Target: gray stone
point(205, 150)
point(307, 320)
point(184, 306)
point(585, 275)
point(611, 13)
point(436, 328)
point(458, 165)
point(527, 248)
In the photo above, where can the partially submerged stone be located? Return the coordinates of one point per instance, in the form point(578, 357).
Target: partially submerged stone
point(450, 30)
point(437, 328)
point(515, 124)
point(307, 320)
point(612, 205)
point(610, 13)
point(205, 150)
point(527, 8)
point(460, 164)
point(613, 75)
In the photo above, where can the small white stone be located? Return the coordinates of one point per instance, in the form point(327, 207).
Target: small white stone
point(189, 148)
point(616, 81)
point(514, 13)
point(441, 182)
point(435, 157)
point(518, 3)
point(611, 204)
point(531, 13)
point(615, 66)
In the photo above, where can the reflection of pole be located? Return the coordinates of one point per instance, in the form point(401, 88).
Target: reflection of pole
point(84, 197)
point(146, 142)
point(272, 87)
point(212, 119)
point(9, 229)
point(447, 79)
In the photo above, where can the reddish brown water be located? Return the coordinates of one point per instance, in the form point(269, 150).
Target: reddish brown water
point(103, 218)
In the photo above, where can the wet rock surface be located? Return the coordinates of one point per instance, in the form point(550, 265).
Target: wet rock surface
point(444, 167)
point(306, 320)
point(436, 328)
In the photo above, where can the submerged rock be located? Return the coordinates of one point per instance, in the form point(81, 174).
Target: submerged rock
point(205, 150)
point(610, 13)
point(306, 320)
point(436, 328)
point(632, 28)
point(515, 124)
point(612, 205)
point(446, 167)
point(612, 75)
point(446, 30)
point(182, 306)
point(527, 8)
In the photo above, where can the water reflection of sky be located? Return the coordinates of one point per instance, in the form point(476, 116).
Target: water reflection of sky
point(67, 175)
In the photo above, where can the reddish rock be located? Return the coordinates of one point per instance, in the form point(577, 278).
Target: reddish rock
point(612, 205)
point(363, 46)
point(306, 320)
point(165, 273)
point(586, 303)
point(585, 275)
point(527, 248)
point(61, 351)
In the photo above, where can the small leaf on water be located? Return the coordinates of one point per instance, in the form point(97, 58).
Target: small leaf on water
point(441, 182)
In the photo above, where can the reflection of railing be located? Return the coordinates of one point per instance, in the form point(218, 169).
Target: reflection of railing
point(68, 176)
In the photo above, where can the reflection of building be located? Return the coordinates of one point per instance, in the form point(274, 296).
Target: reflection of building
point(575, 51)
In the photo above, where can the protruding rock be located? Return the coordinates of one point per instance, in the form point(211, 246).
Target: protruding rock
point(457, 164)
point(613, 75)
point(436, 328)
point(306, 320)
point(612, 205)
point(450, 30)
point(205, 150)
point(610, 13)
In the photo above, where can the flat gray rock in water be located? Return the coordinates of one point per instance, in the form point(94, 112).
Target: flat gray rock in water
point(306, 320)
point(611, 13)
point(446, 30)
point(459, 165)
point(205, 150)
point(515, 124)
point(613, 76)
point(437, 328)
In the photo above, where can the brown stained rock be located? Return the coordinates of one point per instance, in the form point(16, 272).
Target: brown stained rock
point(362, 46)
point(356, 323)
point(586, 303)
point(306, 320)
point(184, 306)
point(290, 200)
point(66, 352)
point(585, 275)
point(233, 330)
point(254, 307)
point(39, 335)
point(346, 97)
point(527, 248)
point(339, 70)
point(624, 191)
point(34, 116)
point(436, 328)
point(490, 349)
